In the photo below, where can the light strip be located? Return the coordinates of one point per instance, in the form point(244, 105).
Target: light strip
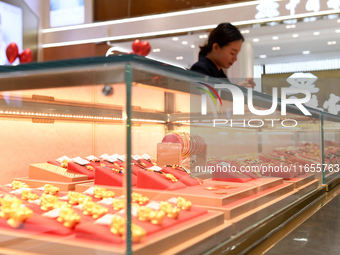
point(312, 65)
point(54, 115)
point(184, 30)
point(150, 17)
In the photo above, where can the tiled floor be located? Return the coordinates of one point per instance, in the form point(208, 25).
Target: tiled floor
point(320, 234)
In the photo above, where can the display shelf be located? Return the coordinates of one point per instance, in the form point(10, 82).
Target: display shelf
point(62, 108)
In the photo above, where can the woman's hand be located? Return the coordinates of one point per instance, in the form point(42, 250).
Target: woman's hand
point(248, 83)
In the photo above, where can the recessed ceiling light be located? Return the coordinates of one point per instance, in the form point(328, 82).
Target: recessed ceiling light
point(306, 52)
point(245, 31)
point(290, 21)
point(290, 26)
point(179, 57)
point(316, 33)
point(275, 38)
point(192, 46)
point(185, 42)
point(337, 31)
point(263, 56)
point(331, 42)
point(203, 36)
point(338, 20)
point(276, 48)
point(295, 35)
point(156, 50)
point(256, 40)
point(175, 38)
point(310, 19)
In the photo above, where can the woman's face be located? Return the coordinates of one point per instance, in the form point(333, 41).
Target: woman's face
point(225, 56)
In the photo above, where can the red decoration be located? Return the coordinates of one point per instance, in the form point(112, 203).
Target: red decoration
point(12, 52)
point(141, 48)
point(26, 56)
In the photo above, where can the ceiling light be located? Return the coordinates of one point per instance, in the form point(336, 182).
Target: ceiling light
point(316, 33)
point(295, 35)
point(290, 26)
point(309, 19)
point(290, 21)
point(185, 42)
point(156, 50)
point(337, 31)
point(245, 31)
point(179, 58)
point(263, 56)
point(273, 23)
point(256, 40)
point(175, 38)
point(333, 16)
point(331, 42)
point(192, 46)
point(306, 52)
point(203, 36)
point(276, 48)
point(338, 20)
point(275, 38)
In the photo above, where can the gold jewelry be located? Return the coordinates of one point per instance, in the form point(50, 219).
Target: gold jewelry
point(139, 198)
point(93, 209)
point(102, 193)
point(19, 185)
point(50, 189)
point(28, 195)
point(68, 217)
point(75, 198)
point(147, 214)
point(170, 210)
point(48, 201)
point(184, 204)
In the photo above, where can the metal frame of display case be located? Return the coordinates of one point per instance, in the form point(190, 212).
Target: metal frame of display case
point(137, 69)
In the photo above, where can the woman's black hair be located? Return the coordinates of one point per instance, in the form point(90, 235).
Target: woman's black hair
point(223, 34)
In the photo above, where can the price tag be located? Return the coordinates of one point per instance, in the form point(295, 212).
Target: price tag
point(80, 161)
point(105, 220)
point(146, 156)
point(173, 200)
point(52, 214)
point(92, 158)
point(136, 157)
point(155, 168)
point(106, 201)
point(153, 205)
point(89, 191)
point(61, 159)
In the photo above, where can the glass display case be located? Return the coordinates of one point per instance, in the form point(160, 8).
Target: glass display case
point(124, 154)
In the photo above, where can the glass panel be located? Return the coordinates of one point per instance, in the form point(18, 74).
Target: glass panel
point(244, 167)
point(61, 122)
point(331, 133)
point(184, 163)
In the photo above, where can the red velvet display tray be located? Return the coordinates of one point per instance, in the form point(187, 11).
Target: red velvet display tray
point(44, 233)
point(196, 194)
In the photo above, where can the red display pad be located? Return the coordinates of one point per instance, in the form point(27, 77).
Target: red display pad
point(153, 180)
point(168, 154)
point(183, 177)
point(105, 176)
point(74, 167)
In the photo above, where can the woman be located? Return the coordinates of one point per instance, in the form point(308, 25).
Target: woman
point(224, 44)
